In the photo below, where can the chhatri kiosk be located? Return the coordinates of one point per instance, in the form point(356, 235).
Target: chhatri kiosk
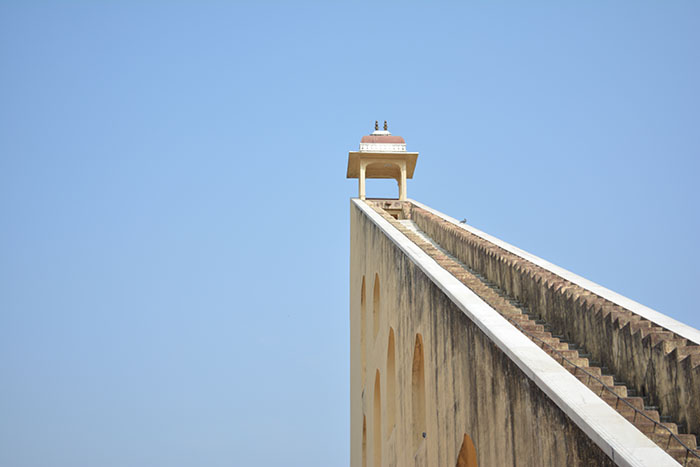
point(382, 155)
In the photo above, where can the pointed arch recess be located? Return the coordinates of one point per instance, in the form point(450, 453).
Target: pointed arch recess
point(364, 441)
point(418, 393)
point(363, 326)
point(467, 453)
point(377, 429)
point(391, 383)
point(376, 304)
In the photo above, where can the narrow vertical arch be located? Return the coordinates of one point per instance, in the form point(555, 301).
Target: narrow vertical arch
point(375, 304)
point(364, 441)
point(391, 383)
point(467, 453)
point(418, 393)
point(363, 325)
point(377, 431)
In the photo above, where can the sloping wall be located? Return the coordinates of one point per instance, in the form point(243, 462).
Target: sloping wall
point(469, 384)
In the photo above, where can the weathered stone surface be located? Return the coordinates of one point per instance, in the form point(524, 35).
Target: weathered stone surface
point(651, 360)
point(471, 386)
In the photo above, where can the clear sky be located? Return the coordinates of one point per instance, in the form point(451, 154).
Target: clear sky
point(174, 213)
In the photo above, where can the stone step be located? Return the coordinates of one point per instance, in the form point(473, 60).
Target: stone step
point(607, 380)
point(642, 423)
point(571, 362)
point(543, 335)
point(671, 426)
point(588, 370)
point(694, 360)
point(554, 343)
point(529, 325)
point(689, 440)
point(677, 451)
point(570, 354)
point(628, 412)
point(636, 402)
point(612, 397)
point(685, 351)
point(653, 414)
point(657, 336)
point(681, 456)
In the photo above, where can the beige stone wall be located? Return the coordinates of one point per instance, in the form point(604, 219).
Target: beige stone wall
point(470, 385)
point(650, 359)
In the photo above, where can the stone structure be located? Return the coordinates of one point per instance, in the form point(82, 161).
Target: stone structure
point(466, 350)
point(382, 155)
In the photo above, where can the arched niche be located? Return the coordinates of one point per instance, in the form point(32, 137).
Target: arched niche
point(377, 421)
point(363, 327)
point(418, 393)
point(375, 305)
point(364, 441)
point(391, 383)
point(467, 453)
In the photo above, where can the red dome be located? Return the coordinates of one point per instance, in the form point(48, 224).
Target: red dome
point(383, 139)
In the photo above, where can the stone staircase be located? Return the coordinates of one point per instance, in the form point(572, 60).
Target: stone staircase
point(664, 432)
point(654, 361)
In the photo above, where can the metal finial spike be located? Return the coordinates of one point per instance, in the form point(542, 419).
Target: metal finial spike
point(386, 127)
point(376, 124)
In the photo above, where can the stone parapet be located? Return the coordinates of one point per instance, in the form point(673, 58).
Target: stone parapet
point(656, 362)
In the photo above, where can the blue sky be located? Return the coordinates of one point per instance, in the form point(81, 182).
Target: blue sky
point(174, 237)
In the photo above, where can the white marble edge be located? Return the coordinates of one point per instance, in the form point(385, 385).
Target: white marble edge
point(682, 329)
point(617, 437)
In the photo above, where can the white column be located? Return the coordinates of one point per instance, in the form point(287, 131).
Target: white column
point(363, 166)
point(402, 183)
